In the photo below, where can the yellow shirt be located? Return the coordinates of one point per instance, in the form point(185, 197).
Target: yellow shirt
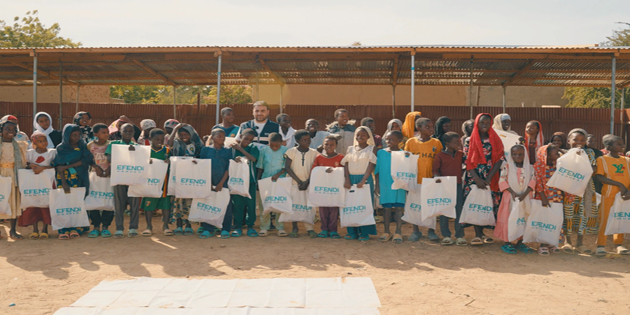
point(426, 152)
point(615, 169)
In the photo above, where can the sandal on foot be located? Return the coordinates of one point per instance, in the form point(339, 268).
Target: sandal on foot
point(119, 234)
point(350, 237)
point(33, 236)
point(74, 234)
point(622, 250)
point(461, 241)
point(282, 233)
point(335, 235)
point(263, 233)
point(43, 236)
point(543, 251)
point(200, 230)
point(415, 236)
point(237, 233)
point(312, 234)
point(292, 235)
point(508, 249)
point(106, 233)
point(225, 234)
point(364, 238)
point(132, 233)
point(584, 250)
point(323, 234)
point(397, 239)
point(567, 248)
point(600, 251)
point(487, 239)
point(167, 232)
point(64, 236)
point(477, 241)
point(447, 241)
point(188, 231)
point(147, 232)
point(524, 249)
point(554, 250)
point(204, 235)
point(252, 233)
point(178, 231)
point(385, 237)
point(94, 234)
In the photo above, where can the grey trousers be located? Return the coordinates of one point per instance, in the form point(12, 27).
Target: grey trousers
point(121, 201)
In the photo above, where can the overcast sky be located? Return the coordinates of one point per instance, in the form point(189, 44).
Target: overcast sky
point(327, 22)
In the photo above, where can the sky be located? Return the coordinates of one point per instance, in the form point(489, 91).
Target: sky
point(117, 23)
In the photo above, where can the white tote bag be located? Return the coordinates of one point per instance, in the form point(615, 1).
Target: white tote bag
point(6, 183)
point(68, 210)
point(326, 189)
point(404, 171)
point(358, 210)
point(544, 223)
point(413, 209)
point(35, 188)
point(101, 196)
point(573, 171)
point(517, 220)
point(439, 198)
point(276, 196)
point(193, 180)
point(153, 181)
point(239, 178)
point(129, 167)
point(170, 190)
point(478, 208)
point(618, 217)
point(302, 212)
point(211, 210)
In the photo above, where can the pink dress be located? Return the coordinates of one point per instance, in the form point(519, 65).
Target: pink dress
point(501, 229)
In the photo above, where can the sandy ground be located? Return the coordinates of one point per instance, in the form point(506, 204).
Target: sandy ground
point(412, 278)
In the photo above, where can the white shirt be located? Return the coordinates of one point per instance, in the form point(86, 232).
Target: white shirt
point(41, 159)
point(359, 159)
point(289, 138)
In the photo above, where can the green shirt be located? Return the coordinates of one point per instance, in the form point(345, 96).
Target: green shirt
point(253, 150)
point(108, 151)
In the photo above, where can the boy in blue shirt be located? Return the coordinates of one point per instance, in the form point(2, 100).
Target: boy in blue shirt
point(271, 164)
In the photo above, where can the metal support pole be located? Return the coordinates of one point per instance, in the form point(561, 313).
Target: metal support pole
point(504, 98)
point(174, 102)
point(77, 102)
point(413, 81)
point(623, 100)
point(393, 101)
point(470, 89)
point(60, 95)
point(257, 86)
point(218, 109)
point(613, 89)
point(34, 85)
point(281, 102)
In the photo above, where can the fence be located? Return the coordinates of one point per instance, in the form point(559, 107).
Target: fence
point(595, 121)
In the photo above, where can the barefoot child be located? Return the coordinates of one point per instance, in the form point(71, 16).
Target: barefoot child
point(449, 163)
point(298, 164)
point(159, 152)
point(39, 159)
point(12, 158)
point(271, 164)
point(286, 131)
point(220, 157)
point(426, 148)
point(100, 219)
point(612, 172)
point(121, 199)
point(329, 215)
point(344, 128)
point(359, 164)
point(516, 182)
point(544, 168)
point(244, 210)
point(390, 199)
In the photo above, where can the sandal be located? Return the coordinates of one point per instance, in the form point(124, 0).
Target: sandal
point(543, 251)
point(508, 249)
point(64, 236)
point(364, 238)
point(554, 249)
point(350, 237)
point(188, 231)
point(461, 241)
point(323, 234)
point(477, 241)
point(312, 234)
point(397, 239)
point(204, 235)
point(447, 241)
point(33, 236)
point(567, 248)
point(385, 237)
point(225, 234)
point(237, 233)
point(292, 235)
point(147, 232)
point(263, 233)
point(600, 251)
point(622, 250)
point(178, 231)
point(584, 250)
point(94, 234)
point(487, 239)
point(106, 233)
point(252, 233)
point(119, 234)
point(132, 233)
point(74, 234)
point(167, 232)
point(43, 236)
point(200, 230)
point(525, 249)
point(282, 233)
point(335, 235)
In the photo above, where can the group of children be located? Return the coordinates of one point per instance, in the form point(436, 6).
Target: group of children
point(476, 159)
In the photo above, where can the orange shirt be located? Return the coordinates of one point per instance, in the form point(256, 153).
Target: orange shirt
point(426, 152)
point(615, 169)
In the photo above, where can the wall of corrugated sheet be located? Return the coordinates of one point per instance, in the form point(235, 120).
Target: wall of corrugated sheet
point(595, 121)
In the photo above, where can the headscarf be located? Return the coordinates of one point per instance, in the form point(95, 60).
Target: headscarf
point(370, 140)
point(540, 139)
point(19, 135)
point(67, 155)
point(497, 124)
point(409, 127)
point(171, 123)
point(38, 134)
point(439, 128)
point(47, 131)
point(179, 146)
point(475, 150)
point(19, 161)
point(527, 170)
point(562, 136)
point(540, 166)
point(147, 123)
point(390, 125)
point(86, 131)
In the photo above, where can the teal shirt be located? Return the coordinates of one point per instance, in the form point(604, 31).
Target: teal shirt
point(271, 162)
point(253, 150)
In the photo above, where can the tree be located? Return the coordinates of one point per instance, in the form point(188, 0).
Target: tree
point(156, 94)
point(600, 97)
point(30, 32)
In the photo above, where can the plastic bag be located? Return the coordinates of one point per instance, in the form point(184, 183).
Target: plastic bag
point(35, 188)
point(326, 189)
point(413, 209)
point(101, 196)
point(129, 167)
point(439, 198)
point(193, 180)
point(478, 208)
point(618, 217)
point(404, 170)
point(358, 210)
point(68, 210)
point(544, 223)
point(276, 196)
point(211, 210)
point(517, 219)
point(153, 181)
point(6, 183)
point(170, 189)
point(573, 172)
point(239, 178)
point(302, 212)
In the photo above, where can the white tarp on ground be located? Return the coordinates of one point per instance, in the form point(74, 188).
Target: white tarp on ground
point(318, 296)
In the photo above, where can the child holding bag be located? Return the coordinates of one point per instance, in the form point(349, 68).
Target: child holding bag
point(516, 182)
point(426, 147)
point(12, 158)
point(244, 210)
point(39, 158)
point(483, 155)
point(359, 163)
point(158, 152)
point(544, 168)
point(329, 215)
point(391, 199)
point(100, 219)
point(612, 172)
point(298, 164)
point(271, 164)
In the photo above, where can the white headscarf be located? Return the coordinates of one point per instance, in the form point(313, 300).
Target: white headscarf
point(527, 171)
point(370, 140)
point(37, 127)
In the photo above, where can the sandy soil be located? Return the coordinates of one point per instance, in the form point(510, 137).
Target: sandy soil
point(412, 278)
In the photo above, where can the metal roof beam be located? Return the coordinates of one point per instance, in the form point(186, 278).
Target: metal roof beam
point(46, 73)
point(153, 72)
point(519, 73)
point(271, 73)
